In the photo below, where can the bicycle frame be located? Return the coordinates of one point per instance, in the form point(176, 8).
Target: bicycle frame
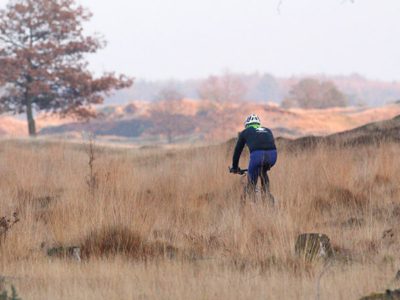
point(254, 193)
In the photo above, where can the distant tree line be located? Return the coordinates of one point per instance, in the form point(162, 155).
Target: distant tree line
point(231, 87)
point(227, 86)
point(257, 87)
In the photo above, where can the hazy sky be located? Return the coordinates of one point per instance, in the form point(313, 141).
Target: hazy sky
point(179, 39)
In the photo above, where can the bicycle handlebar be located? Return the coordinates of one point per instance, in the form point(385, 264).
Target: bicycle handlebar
point(239, 171)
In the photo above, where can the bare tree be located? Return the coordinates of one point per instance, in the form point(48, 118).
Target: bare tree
point(310, 93)
point(210, 89)
point(226, 88)
point(169, 93)
point(169, 122)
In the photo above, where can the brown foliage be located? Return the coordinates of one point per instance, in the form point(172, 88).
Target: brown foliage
point(42, 60)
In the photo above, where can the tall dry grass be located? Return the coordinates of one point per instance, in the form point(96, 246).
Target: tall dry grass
point(167, 224)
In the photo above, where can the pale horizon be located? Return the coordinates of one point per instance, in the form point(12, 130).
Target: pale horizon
point(183, 39)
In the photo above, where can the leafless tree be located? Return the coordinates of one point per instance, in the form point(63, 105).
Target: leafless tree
point(311, 93)
point(169, 93)
point(169, 122)
point(226, 88)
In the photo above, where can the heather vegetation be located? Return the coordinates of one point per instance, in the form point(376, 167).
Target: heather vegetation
point(167, 223)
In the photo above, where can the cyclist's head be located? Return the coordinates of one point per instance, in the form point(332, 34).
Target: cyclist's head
point(253, 119)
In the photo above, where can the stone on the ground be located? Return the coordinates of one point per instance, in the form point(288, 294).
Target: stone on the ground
point(313, 246)
point(388, 295)
point(353, 222)
point(65, 252)
point(397, 277)
point(2, 283)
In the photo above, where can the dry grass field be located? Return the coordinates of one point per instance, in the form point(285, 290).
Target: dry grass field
point(167, 224)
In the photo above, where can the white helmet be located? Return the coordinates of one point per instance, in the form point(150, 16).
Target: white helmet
point(252, 119)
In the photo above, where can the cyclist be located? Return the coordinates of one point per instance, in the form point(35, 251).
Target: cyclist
point(263, 154)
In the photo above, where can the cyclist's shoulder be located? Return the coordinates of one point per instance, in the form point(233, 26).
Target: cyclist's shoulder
point(247, 131)
point(266, 129)
point(263, 129)
point(250, 131)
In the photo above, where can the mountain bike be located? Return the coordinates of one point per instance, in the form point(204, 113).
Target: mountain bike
point(255, 193)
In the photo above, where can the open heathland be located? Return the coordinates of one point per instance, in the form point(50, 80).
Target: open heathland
point(157, 223)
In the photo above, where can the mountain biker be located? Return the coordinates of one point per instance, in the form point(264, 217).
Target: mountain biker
point(263, 154)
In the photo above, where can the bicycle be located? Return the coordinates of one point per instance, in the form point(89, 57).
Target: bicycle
point(254, 193)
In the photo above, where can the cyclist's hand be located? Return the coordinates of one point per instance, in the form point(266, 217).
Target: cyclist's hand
point(234, 170)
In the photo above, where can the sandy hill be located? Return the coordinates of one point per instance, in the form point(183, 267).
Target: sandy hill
point(369, 134)
point(193, 120)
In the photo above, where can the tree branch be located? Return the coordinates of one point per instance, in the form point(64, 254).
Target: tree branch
point(7, 40)
point(278, 8)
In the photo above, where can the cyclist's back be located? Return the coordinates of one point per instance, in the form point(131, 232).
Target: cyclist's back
point(256, 138)
point(263, 154)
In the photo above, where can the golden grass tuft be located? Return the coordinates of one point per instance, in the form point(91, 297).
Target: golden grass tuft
point(112, 241)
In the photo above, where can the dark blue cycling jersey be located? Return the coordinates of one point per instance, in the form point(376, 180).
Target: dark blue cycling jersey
point(263, 154)
point(256, 138)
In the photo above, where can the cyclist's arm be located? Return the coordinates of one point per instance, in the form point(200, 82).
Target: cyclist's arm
point(272, 137)
point(238, 151)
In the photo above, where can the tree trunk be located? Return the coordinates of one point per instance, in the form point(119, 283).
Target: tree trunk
point(169, 136)
point(31, 120)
